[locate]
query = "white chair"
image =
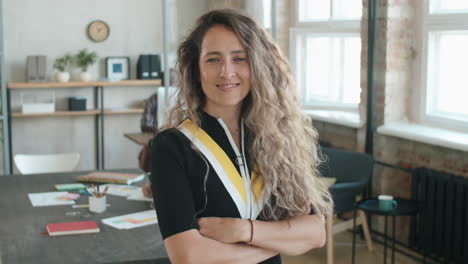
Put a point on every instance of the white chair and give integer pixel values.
(48, 163)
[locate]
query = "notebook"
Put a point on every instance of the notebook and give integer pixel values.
(111, 177)
(70, 186)
(71, 228)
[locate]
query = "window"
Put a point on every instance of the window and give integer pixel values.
(326, 53)
(445, 56)
(267, 14)
(261, 11)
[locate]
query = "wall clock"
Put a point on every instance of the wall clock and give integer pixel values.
(98, 30)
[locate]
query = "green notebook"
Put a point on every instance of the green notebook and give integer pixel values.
(70, 186)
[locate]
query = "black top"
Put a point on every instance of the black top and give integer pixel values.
(177, 177)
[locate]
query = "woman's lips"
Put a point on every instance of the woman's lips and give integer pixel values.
(227, 86)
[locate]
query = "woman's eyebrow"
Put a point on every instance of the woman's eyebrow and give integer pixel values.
(219, 53)
(238, 51)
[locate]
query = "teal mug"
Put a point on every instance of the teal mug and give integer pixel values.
(387, 203)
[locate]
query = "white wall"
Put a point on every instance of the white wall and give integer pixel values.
(55, 27)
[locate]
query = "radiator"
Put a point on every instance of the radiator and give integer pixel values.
(441, 230)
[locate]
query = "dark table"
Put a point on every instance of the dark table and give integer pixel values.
(371, 206)
(140, 138)
(22, 227)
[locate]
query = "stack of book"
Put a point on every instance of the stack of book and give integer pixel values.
(111, 177)
(72, 228)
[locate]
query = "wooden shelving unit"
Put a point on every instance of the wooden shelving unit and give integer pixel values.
(35, 85)
(99, 111)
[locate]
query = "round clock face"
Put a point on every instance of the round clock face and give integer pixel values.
(98, 30)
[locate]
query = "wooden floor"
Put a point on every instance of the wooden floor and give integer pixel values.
(343, 253)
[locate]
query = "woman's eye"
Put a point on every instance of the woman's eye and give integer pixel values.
(239, 59)
(212, 60)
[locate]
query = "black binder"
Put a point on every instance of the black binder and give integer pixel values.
(155, 66)
(143, 67)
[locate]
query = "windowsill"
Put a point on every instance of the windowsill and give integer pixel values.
(426, 134)
(344, 118)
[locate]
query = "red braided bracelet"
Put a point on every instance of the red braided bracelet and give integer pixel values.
(251, 231)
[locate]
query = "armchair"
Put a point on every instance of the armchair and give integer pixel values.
(352, 171)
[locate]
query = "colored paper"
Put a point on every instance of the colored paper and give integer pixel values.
(130, 221)
(120, 190)
(49, 199)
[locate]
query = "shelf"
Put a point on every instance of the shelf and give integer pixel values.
(58, 113)
(33, 85)
(123, 111)
(119, 111)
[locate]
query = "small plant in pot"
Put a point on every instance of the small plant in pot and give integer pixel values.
(83, 60)
(62, 64)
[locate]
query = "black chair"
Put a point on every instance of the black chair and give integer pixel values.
(352, 171)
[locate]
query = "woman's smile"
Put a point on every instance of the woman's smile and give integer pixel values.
(227, 87)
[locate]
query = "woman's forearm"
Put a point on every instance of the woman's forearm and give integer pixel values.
(289, 237)
(191, 247)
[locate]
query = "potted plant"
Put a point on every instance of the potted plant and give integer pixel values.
(61, 64)
(84, 59)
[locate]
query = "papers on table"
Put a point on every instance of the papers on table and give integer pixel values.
(138, 196)
(131, 192)
(130, 221)
(49, 198)
(120, 190)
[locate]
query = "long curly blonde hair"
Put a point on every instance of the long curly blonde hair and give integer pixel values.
(282, 142)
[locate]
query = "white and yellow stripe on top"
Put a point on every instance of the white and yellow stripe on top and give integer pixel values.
(246, 193)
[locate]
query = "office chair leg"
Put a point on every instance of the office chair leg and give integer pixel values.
(329, 227)
(365, 229)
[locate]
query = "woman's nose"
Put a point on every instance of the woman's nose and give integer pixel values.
(227, 70)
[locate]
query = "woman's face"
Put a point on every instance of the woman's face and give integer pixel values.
(224, 68)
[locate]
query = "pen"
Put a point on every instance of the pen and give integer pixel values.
(95, 191)
(104, 192)
(88, 192)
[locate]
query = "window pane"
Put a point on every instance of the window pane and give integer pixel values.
(454, 4)
(331, 70)
(448, 91)
(347, 9)
(310, 10)
(443, 6)
(317, 68)
(267, 13)
(352, 70)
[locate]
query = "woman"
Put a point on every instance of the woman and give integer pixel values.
(234, 175)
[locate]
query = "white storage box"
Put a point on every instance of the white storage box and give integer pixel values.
(37, 103)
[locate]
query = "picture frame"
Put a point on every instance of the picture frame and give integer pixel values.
(117, 68)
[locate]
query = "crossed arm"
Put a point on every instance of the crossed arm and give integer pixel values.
(223, 238)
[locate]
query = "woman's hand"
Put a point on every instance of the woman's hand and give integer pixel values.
(147, 192)
(226, 230)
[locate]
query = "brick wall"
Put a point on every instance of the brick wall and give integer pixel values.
(215, 4)
(284, 9)
(336, 136)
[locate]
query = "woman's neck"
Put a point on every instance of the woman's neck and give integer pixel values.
(230, 115)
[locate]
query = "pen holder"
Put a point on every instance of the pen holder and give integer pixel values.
(97, 204)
